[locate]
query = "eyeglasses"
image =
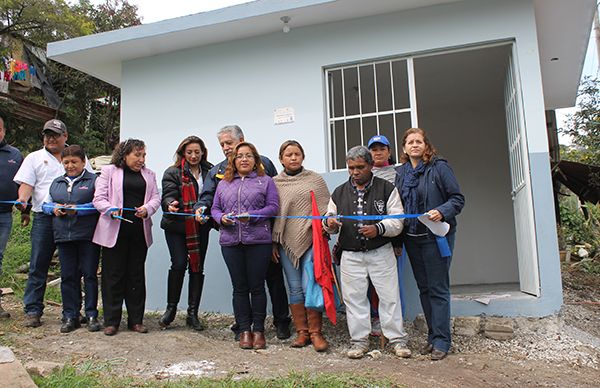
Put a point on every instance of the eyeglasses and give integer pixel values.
(52, 135)
(244, 156)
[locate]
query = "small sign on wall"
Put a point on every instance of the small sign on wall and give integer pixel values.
(283, 116)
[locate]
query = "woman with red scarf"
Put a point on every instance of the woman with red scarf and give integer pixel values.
(187, 239)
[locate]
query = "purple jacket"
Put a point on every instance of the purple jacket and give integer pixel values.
(252, 194)
(109, 194)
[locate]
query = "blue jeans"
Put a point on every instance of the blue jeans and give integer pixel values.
(5, 227)
(296, 279)
(432, 274)
(247, 265)
(42, 249)
(79, 258)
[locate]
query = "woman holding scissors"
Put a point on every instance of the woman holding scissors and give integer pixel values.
(246, 242)
(187, 239)
(126, 197)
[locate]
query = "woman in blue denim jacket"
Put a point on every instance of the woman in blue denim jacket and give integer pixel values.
(427, 185)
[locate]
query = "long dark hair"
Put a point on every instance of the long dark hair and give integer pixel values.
(430, 150)
(179, 154)
(231, 169)
(125, 148)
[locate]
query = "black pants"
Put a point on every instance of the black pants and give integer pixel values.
(77, 259)
(179, 252)
(124, 278)
(247, 265)
(278, 293)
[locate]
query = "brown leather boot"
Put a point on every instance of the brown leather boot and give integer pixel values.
(315, 323)
(259, 341)
(246, 340)
(299, 316)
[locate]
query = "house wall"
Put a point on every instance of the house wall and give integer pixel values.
(167, 97)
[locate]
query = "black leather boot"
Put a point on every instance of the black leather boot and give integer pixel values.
(195, 293)
(175, 281)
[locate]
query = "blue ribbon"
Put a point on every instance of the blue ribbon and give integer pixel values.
(339, 216)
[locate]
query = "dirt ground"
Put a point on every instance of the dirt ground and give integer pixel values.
(563, 352)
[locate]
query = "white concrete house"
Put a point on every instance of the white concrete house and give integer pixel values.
(478, 75)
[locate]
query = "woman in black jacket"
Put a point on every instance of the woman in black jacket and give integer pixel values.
(187, 239)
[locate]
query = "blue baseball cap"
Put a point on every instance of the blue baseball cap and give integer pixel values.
(378, 139)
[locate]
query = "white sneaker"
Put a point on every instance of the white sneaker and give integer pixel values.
(357, 351)
(401, 350)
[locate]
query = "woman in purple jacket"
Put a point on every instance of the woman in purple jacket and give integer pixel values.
(246, 241)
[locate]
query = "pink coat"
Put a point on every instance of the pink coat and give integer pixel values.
(109, 194)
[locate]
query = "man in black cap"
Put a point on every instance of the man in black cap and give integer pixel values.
(36, 174)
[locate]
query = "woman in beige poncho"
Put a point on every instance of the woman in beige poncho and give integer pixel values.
(292, 238)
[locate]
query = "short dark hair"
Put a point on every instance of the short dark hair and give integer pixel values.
(73, 150)
(125, 148)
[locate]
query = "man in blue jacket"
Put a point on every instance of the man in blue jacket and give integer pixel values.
(10, 161)
(229, 137)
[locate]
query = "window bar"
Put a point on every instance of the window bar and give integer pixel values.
(376, 98)
(330, 115)
(394, 108)
(362, 135)
(344, 106)
(412, 92)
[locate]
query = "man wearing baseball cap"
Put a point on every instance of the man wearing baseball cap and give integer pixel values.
(36, 174)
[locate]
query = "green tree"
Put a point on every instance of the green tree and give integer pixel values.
(92, 107)
(41, 21)
(584, 125)
(89, 107)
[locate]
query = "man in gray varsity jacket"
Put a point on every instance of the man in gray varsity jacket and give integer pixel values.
(367, 252)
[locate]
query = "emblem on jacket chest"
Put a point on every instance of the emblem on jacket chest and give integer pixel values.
(379, 206)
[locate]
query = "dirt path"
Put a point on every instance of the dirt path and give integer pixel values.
(565, 357)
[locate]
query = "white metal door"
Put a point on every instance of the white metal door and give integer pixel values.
(529, 277)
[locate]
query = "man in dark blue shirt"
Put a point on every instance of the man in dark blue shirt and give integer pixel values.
(230, 136)
(10, 161)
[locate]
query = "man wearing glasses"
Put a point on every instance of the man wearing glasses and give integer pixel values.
(35, 175)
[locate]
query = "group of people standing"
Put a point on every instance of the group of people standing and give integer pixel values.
(256, 212)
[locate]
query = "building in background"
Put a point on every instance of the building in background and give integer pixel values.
(479, 76)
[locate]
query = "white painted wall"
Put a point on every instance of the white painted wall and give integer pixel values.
(168, 97)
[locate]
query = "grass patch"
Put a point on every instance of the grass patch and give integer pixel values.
(17, 255)
(95, 374)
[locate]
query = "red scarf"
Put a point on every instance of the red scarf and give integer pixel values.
(322, 262)
(188, 199)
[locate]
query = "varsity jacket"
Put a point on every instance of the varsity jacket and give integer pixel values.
(380, 198)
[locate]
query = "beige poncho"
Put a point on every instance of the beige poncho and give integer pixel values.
(295, 234)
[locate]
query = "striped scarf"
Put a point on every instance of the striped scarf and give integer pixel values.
(188, 199)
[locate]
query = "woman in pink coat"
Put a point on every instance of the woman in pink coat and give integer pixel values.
(125, 235)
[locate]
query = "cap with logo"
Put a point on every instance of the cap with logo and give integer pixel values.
(55, 126)
(378, 139)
